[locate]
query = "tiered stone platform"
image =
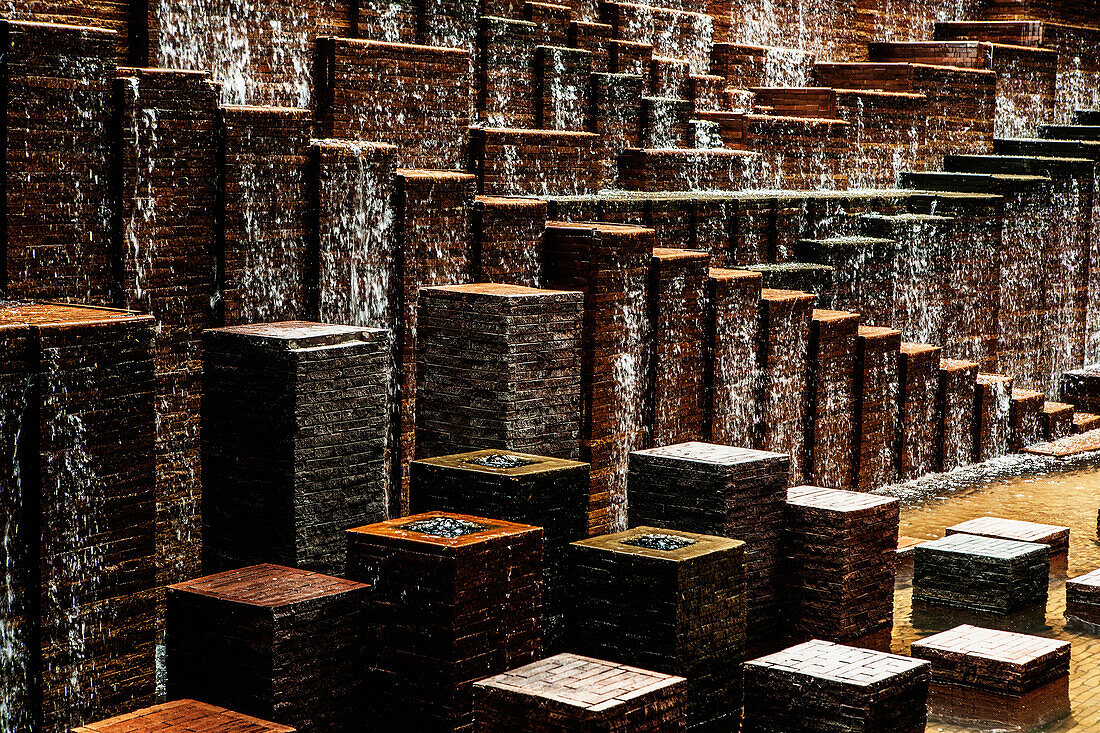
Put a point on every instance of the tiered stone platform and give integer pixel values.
(845, 244)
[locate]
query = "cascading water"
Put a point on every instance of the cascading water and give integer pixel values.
(733, 403)
(785, 67)
(143, 131)
(74, 572)
(628, 370)
(919, 275)
(1021, 108)
(15, 713)
(1067, 276)
(269, 276)
(358, 279)
(261, 55)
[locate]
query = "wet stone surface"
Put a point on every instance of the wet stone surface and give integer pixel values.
(664, 542)
(1064, 493)
(447, 527)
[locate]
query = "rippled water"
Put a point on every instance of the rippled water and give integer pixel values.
(1050, 491)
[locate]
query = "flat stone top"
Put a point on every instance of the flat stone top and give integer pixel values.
(879, 332)
(268, 585)
(652, 541)
(667, 253)
(991, 644)
(1089, 581)
(853, 242)
(1021, 395)
(957, 365)
(709, 453)
(912, 348)
(443, 530)
(498, 290)
(836, 499)
(991, 547)
(910, 218)
(1070, 445)
(298, 334)
(785, 295)
(791, 267)
(584, 684)
(601, 226)
(720, 273)
(184, 716)
(502, 462)
(1014, 529)
(1004, 379)
(822, 314)
(23, 314)
(1053, 408)
(845, 664)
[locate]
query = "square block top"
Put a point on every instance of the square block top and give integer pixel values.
(662, 544)
(990, 380)
(836, 663)
(838, 500)
(502, 463)
(184, 716)
(747, 276)
(1015, 529)
(910, 348)
(484, 291)
(958, 365)
(592, 228)
(830, 316)
(19, 314)
(292, 335)
(441, 530)
(269, 586)
(991, 644)
(582, 685)
(719, 455)
(772, 295)
(976, 546)
(1087, 583)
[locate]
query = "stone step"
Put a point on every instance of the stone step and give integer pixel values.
(1086, 117)
(1016, 33)
(1070, 132)
(1089, 149)
(969, 182)
(683, 169)
(807, 277)
(813, 102)
(1015, 165)
(672, 33)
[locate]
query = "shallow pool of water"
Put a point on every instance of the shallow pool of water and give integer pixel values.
(1050, 491)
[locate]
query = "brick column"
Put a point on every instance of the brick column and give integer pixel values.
(294, 428)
